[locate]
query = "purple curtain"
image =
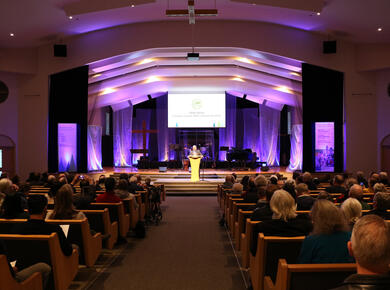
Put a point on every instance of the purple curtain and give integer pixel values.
(251, 129)
(296, 137)
(94, 148)
(227, 135)
(165, 135)
(122, 136)
(141, 115)
(269, 123)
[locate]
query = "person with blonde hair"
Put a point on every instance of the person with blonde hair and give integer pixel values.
(63, 205)
(285, 222)
(327, 243)
(352, 210)
(370, 246)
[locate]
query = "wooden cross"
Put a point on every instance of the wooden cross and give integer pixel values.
(144, 131)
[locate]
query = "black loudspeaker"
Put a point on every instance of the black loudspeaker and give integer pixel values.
(329, 47)
(264, 168)
(60, 50)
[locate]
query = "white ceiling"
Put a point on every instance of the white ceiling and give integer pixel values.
(36, 22)
(131, 77)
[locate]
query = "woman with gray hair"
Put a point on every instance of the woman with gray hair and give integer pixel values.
(352, 210)
(328, 241)
(381, 204)
(285, 222)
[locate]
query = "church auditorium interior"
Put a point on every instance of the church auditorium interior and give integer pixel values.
(194, 144)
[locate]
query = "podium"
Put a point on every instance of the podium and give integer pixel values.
(195, 164)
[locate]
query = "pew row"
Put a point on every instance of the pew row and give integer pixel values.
(308, 276)
(31, 249)
(99, 221)
(7, 281)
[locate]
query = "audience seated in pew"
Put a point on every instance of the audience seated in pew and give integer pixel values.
(304, 200)
(379, 187)
(327, 243)
(361, 179)
(123, 191)
(356, 191)
(134, 186)
(381, 204)
(308, 180)
(87, 194)
(12, 207)
(383, 178)
(263, 210)
(237, 188)
(36, 225)
(100, 183)
(338, 187)
(289, 186)
(352, 210)
(109, 195)
(228, 184)
(245, 183)
(63, 206)
(21, 274)
(370, 246)
(284, 222)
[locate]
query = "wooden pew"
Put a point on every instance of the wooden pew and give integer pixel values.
(141, 207)
(32, 249)
(144, 203)
(229, 208)
(7, 281)
(269, 251)
(130, 209)
(234, 213)
(309, 276)
(80, 234)
(117, 213)
(99, 221)
(239, 227)
(245, 242)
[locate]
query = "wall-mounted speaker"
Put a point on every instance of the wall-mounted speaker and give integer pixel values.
(60, 50)
(329, 47)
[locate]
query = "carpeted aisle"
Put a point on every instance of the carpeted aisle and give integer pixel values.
(189, 250)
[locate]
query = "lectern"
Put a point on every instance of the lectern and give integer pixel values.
(195, 164)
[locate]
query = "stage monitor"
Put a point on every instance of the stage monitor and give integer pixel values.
(196, 110)
(324, 146)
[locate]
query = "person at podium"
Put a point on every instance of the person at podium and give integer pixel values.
(195, 157)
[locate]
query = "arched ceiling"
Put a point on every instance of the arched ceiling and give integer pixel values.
(132, 77)
(38, 22)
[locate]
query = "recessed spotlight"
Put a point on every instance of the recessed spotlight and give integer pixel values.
(70, 17)
(318, 13)
(254, 4)
(132, 5)
(379, 29)
(11, 34)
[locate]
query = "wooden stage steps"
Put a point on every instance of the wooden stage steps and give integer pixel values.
(178, 182)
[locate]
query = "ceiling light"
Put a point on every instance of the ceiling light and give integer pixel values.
(318, 13)
(379, 29)
(145, 61)
(70, 17)
(11, 34)
(152, 79)
(96, 75)
(238, 79)
(107, 91)
(132, 5)
(244, 59)
(284, 89)
(295, 74)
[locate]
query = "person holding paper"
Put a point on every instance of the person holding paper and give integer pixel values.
(36, 225)
(195, 157)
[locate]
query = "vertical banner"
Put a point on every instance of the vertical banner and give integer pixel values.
(94, 148)
(324, 146)
(67, 147)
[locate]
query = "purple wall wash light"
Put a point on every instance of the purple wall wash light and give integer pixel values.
(67, 147)
(94, 148)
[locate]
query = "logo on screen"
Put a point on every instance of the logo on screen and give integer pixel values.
(196, 104)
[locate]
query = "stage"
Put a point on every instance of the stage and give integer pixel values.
(177, 182)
